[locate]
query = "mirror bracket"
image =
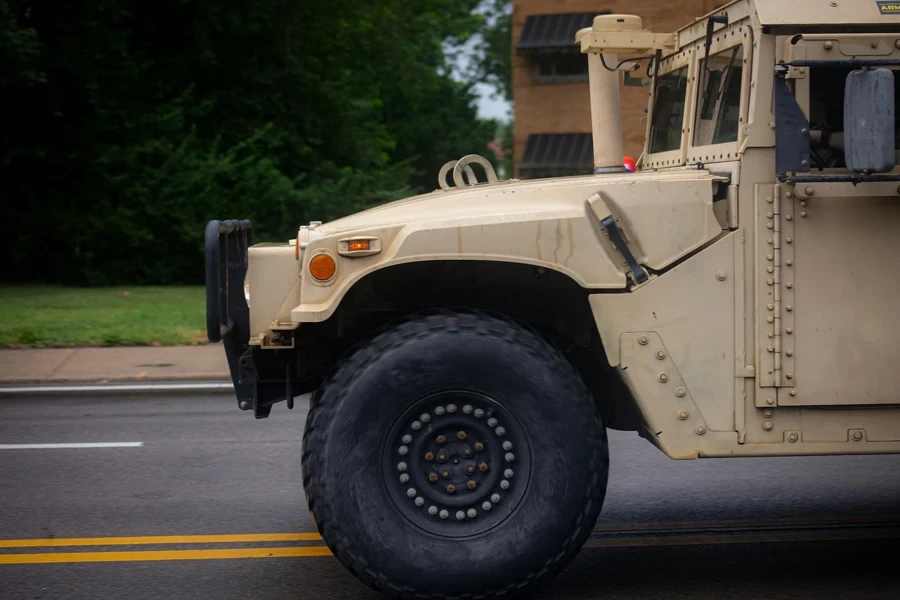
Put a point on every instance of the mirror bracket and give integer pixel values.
(710, 24)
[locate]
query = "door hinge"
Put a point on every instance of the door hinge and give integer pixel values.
(776, 276)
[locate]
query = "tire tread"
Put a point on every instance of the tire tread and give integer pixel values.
(414, 328)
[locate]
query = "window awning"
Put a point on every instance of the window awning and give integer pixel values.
(553, 32)
(551, 154)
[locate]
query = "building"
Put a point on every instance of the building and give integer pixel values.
(552, 130)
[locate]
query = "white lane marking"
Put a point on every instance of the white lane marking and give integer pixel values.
(137, 387)
(83, 445)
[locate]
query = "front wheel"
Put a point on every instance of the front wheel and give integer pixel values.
(455, 454)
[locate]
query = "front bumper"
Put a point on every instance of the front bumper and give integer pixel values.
(259, 381)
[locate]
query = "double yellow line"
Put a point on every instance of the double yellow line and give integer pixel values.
(634, 535)
(155, 555)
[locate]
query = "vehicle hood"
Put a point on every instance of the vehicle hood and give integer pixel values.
(511, 199)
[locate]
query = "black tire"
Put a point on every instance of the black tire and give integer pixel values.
(555, 482)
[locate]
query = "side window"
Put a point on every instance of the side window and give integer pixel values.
(719, 98)
(826, 114)
(668, 111)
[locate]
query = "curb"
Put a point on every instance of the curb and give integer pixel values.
(44, 389)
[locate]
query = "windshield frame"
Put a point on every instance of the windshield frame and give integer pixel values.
(692, 56)
(726, 39)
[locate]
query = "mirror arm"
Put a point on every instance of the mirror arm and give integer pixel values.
(710, 23)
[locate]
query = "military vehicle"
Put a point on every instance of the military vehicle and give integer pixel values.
(467, 349)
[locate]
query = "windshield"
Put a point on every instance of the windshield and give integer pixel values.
(668, 111)
(718, 117)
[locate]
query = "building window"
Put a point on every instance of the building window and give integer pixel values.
(561, 68)
(557, 155)
(549, 42)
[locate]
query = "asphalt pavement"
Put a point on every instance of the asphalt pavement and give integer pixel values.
(132, 468)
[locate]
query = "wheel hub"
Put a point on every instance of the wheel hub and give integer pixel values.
(456, 463)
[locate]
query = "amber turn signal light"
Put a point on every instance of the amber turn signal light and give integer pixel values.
(356, 245)
(322, 267)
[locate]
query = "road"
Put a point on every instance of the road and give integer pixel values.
(196, 465)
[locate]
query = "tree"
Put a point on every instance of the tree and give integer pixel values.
(130, 123)
(494, 56)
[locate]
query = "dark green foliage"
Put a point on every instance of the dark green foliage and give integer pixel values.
(129, 124)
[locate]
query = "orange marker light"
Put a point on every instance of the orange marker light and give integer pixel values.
(322, 267)
(355, 245)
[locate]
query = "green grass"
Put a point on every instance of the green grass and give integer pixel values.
(123, 316)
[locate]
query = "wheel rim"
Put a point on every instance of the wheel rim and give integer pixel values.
(456, 463)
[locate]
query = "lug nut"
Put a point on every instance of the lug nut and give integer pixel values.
(495, 498)
(470, 469)
(429, 456)
(424, 417)
(401, 467)
(485, 506)
(441, 439)
(483, 467)
(471, 485)
(467, 452)
(432, 477)
(411, 492)
(419, 501)
(507, 445)
(402, 450)
(460, 515)
(439, 410)
(461, 435)
(508, 473)
(467, 409)
(479, 446)
(444, 514)
(492, 422)
(510, 457)
(407, 439)
(500, 431)
(504, 485)
(451, 489)
(404, 478)
(442, 457)
(472, 513)
(416, 426)
(446, 474)
(479, 413)
(432, 510)
(451, 408)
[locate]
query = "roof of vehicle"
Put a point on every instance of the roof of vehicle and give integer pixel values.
(825, 12)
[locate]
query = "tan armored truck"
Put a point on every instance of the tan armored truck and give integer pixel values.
(467, 349)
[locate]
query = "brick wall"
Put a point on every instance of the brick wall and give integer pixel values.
(565, 108)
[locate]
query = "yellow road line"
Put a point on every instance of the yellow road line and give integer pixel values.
(156, 555)
(163, 539)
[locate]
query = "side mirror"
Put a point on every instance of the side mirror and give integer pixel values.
(869, 121)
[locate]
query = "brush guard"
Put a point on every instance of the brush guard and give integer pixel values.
(227, 313)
